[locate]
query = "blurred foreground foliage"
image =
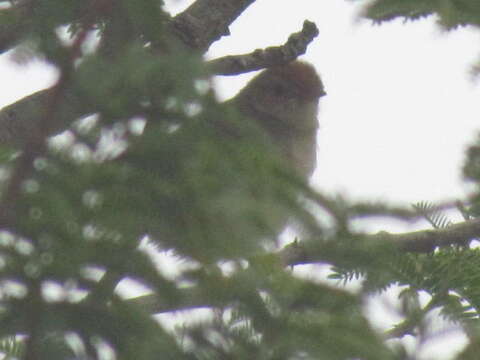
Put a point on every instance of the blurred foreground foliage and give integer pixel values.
(154, 158)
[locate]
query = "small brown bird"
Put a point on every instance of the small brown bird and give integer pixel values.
(284, 101)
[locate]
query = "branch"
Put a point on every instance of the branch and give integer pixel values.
(206, 21)
(295, 46)
(297, 253)
(18, 121)
(422, 241)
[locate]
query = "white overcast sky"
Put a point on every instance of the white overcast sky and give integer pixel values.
(401, 105)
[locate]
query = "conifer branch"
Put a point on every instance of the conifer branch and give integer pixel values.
(309, 252)
(295, 46)
(422, 241)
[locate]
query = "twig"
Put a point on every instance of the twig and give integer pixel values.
(422, 241)
(295, 46)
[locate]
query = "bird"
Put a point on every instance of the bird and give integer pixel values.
(284, 101)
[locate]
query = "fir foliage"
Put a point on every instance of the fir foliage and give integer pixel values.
(435, 217)
(450, 13)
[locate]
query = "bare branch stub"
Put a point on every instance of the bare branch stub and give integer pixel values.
(295, 46)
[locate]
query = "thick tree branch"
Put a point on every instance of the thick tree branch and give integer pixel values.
(206, 21)
(295, 46)
(22, 118)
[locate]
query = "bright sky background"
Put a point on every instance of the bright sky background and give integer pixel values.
(401, 104)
